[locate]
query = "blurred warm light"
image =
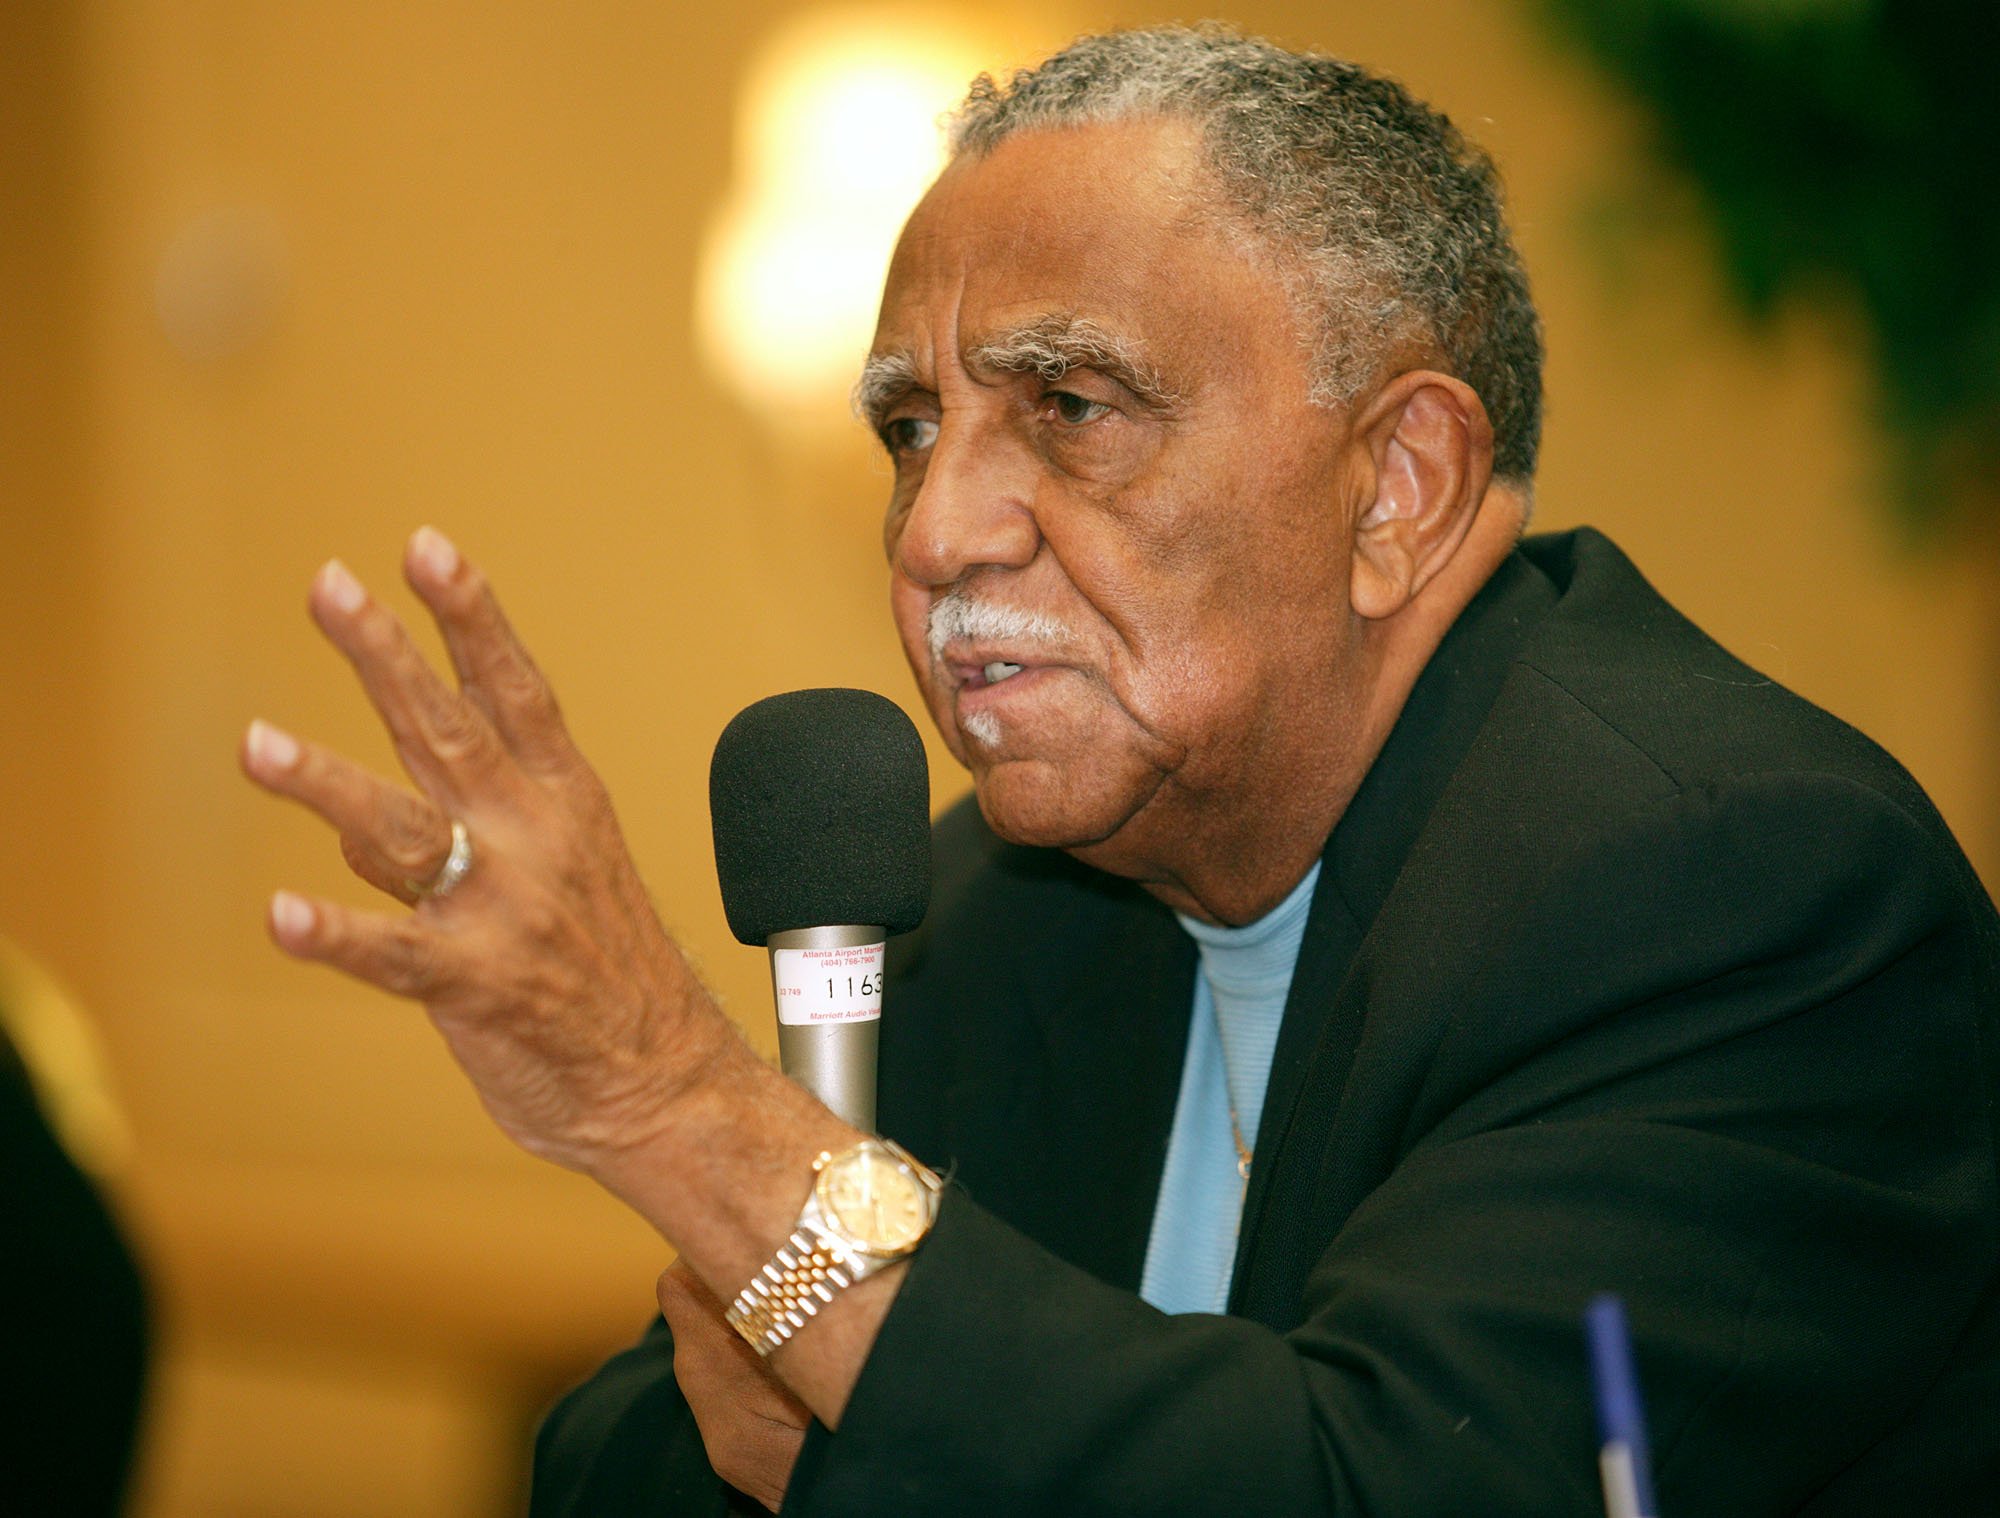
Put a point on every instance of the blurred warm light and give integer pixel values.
(221, 282)
(839, 133)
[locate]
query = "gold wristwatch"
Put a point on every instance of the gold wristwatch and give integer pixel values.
(870, 1206)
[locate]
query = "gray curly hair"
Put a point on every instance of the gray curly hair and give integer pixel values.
(1387, 221)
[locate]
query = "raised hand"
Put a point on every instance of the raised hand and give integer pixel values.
(537, 953)
(543, 962)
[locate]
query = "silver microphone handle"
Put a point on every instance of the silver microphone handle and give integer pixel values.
(834, 1061)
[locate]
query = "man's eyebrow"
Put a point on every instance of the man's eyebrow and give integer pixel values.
(1049, 346)
(884, 378)
(1052, 345)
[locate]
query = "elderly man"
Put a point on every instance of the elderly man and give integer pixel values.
(1375, 935)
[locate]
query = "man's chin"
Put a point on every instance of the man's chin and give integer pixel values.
(1031, 802)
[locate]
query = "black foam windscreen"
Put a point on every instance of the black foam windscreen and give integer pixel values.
(821, 806)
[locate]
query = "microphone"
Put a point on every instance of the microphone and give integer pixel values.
(820, 801)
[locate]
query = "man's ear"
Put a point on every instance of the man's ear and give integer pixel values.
(1431, 445)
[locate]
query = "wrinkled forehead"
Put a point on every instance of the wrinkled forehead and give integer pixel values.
(1083, 221)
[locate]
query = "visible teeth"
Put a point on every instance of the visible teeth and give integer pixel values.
(1000, 670)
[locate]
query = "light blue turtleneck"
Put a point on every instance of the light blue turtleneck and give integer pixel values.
(1239, 1001)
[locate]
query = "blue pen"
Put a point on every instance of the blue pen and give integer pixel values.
(1622, 1460)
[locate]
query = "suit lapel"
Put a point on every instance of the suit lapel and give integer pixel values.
(1319, 1033)
(1113, 1056)
(1091, 1081)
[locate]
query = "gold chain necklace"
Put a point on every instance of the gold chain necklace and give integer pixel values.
(1243, 1150)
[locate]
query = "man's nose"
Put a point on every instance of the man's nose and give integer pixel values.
(974, 508)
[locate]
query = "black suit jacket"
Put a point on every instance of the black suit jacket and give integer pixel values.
(1627, 970)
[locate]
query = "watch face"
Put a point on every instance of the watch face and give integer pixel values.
(874, 1199)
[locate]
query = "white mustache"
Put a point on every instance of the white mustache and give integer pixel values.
(956, 618)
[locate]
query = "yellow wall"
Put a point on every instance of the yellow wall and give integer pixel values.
(485, 219)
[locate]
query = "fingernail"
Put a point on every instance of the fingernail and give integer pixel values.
(291, 915)
(273, 748)
(341, 587)
(436, 552)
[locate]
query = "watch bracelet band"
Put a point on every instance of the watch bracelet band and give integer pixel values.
(792, 1287)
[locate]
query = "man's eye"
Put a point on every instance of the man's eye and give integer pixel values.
(1071, 409)
(909, 434)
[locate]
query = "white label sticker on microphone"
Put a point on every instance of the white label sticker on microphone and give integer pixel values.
(828, 985)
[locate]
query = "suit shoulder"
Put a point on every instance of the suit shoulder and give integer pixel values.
(1622, 657)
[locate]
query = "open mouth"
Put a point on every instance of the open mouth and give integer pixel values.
(971, 677)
